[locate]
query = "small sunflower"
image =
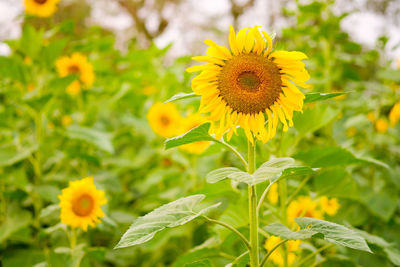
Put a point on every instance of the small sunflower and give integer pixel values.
(329, 206)
(81, 204)
(273, 194)
(189, 123)
(76, 64)
(164, 119)
(66, 121)
(303, 206)
(381, 125)
(249, 84)
(277, 256)
(394, 115)
(41, 8)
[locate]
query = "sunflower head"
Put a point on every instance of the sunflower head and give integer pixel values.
(164, 119)
(277, 255)
(329, 206)
(81, 204)
(394, 115)
(249, 85)
(381, 125)
(190, 122)
(303, 206)
(41, 8)
(76, 64)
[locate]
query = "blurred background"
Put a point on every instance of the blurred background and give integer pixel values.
(57, 127)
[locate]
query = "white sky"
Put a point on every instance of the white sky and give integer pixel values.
(193, 20)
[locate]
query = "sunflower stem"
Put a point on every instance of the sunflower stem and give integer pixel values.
(253, 215)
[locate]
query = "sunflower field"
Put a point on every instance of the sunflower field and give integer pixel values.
(231, 144)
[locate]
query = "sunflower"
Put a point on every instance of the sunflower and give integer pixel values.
(381, 125)
(189, 123)
(76, 64)
(273, 194)
(277, 257)
(394, 115)
(66, 121)
(249, 84)
(329, 206)
(164, 119)
(41, 8)
(81, 204)
(303, 206)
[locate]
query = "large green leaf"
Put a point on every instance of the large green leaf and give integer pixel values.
(180, 96)
(95, 137)
(313, 119)
(10, 154)
(220, 174)
(310, 227)
(334, 233)
(172, 214)
(390, 249)
(314, 97)
(15, 220)
(199, 133)
(332, 156)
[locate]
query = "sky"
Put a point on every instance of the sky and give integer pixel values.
(186, 31)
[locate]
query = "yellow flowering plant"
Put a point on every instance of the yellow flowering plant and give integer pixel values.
(254, 92)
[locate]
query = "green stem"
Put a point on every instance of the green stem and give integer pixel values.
(283, 200)
(303, 183)
(231, 148)
(239, 258)
(270, 252)
(72, 240)
(253, 216)
(239, 234)
(264, 194)
(305, 259)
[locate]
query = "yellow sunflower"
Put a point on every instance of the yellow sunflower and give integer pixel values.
(329, 206)
(273, 194)
(249, 84)
(276, 256)
(191, 121)
(303, 206)
(41, 8)
(394, 115)
(81, 204)
(381, 125)
(164, 119)
(76, 64)
(66, 121)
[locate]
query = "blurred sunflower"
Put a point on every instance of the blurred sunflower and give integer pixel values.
(273, 194)
(164, 119)
(276, 256)
(189, 123)
(329, 206)
(394, 115)
(41, 8)
(76, 64)
(303, 206)
(248, 84)
(81, 204)
(381, 125)
(66, 121)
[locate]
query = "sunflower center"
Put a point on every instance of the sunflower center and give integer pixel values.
(83, 205)
(164, 120)
(250, 83)
(40, 2)
(73, 68)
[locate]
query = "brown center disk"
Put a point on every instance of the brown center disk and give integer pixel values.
(73, 69)
(40, 2)
(250, 83)
(83, 205)
(165, 121)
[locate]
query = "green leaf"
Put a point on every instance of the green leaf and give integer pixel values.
(271, 169)
(38, 103)
(278, 229)
(297, 171)
(314, 97)
(10, 154)
(220, 174)
(92, 136)
(332, 156)
(194, 255)
(199, 133)
(172, 214)
(15, 220)
(313, 119)
(199, 263)
(334, 233)
(180, 96)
